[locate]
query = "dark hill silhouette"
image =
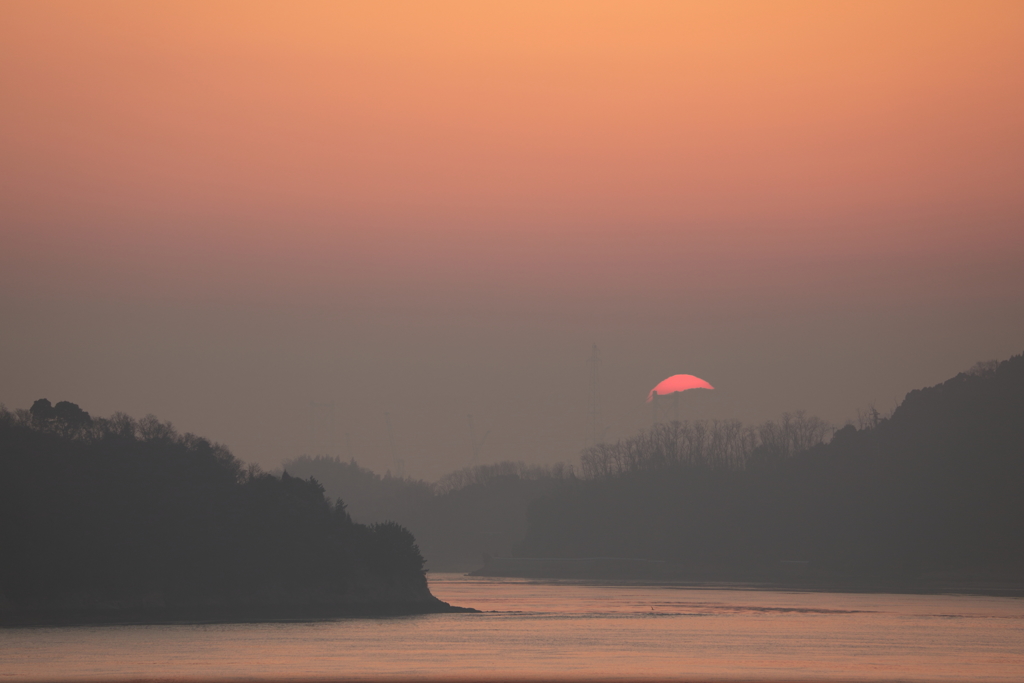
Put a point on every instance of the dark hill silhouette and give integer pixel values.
(124, 519)
(933, 491)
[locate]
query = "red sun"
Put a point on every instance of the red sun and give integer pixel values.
(677, 383)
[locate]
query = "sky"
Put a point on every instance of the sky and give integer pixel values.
(222, 213)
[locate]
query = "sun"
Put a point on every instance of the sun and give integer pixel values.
(677, 383)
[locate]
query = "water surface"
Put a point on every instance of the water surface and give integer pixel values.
(533, 629)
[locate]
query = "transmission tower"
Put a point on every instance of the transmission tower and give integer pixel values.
(595, 428)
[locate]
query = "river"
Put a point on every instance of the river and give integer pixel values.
(572, 630)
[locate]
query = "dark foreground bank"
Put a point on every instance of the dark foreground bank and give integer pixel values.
(118, 520)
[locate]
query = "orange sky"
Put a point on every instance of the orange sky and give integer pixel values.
(606, 167)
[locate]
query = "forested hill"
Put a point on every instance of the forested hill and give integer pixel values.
(124, 519)
(932, 491)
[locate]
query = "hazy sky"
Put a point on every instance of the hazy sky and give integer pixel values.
(220, 212)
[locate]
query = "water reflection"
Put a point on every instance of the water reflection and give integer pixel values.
(566, 630)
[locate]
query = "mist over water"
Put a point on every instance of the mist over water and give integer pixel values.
(536, 629)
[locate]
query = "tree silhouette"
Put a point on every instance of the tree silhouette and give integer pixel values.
(114, 515)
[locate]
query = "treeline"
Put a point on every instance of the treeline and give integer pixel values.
(705, 444)
(121, 515)
(932, 489)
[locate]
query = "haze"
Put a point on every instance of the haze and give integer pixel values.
(220, 213)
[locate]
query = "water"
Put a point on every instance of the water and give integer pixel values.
(565, 630)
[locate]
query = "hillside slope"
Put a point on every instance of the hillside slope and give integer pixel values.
(118, 519)
(933, 490)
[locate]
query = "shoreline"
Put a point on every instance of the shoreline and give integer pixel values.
(593, 575)
(1015, 591)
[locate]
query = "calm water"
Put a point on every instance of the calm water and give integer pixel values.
(566, 630)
